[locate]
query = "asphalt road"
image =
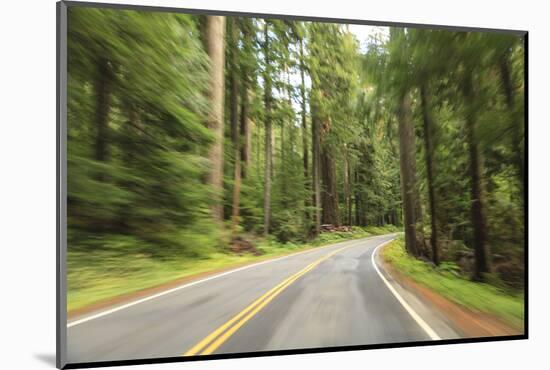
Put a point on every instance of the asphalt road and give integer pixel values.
(325, 297)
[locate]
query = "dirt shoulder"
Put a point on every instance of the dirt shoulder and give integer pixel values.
(128, 297)
(469, 323)
(142, 293)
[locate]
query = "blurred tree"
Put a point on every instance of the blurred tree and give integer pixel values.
(268, 130)
(136, 137)
(215, 31)
(400, 55)
(421, 127)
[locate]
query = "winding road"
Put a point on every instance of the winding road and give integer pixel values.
(336, 295)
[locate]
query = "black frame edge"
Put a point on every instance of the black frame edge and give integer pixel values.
(526, 178)
(160, 360)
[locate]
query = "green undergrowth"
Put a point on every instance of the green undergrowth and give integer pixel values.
(445, 280)
(100, 274)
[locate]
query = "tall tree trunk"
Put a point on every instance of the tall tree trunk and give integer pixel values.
(282, 159)
(102, 87)
(315, 170)
(350, 195)
(422, 249)
(347, 197)
(215, 30)
(361, 176)
(517, 132)
(481, 249)
(245, 123)
(233, 82)
(357, 198)
(258, 134)
(329, 193)
(407, 163)
(268, 133)
(234, 119)
(429, 150)
(236, 190)
(245, 131)
(304, 133)
(286, 145)
(303, 102)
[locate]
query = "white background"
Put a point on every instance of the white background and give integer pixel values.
(27, 182)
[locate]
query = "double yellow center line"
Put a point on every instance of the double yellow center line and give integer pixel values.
(219, 336)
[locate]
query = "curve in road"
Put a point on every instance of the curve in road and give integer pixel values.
(325, 297)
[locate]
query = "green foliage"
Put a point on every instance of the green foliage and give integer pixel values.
(444, 63)
(148, 195)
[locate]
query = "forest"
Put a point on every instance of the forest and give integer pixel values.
(191, 138)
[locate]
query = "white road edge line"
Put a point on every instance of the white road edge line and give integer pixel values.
(416, 317)
(165, 292)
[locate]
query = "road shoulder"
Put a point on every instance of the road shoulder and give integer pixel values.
(116, 301)
(448, 319)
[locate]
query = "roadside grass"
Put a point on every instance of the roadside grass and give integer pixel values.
(98, 275)
(446, 281)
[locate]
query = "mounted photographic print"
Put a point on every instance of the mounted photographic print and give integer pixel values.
(235, 185)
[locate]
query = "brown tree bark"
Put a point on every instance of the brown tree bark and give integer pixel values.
(315, 170)
(479, 221)
(361, 178)
(347, 195)
(357, 197)
(350, 196)
(235, 129)
(215, 30)
(245, 124)
(429, 151)
(305, 149)
(282, 156)
(268, 133)
(233, 82)
(329, 194)
(407, 163)
(236, 190)
(258, 133)
(303, 102)
(245, 131)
